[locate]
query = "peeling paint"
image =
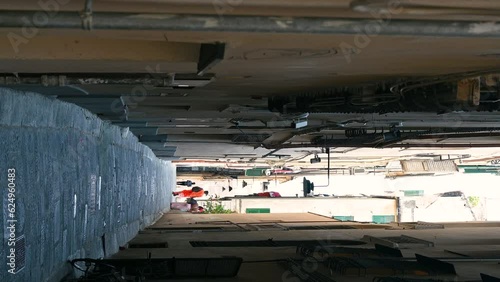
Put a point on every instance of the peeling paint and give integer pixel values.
(480, 28)
(210, 22)
(282, 24)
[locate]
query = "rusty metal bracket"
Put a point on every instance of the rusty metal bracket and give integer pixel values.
(469, 91)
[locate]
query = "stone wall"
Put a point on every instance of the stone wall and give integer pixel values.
(83, 187)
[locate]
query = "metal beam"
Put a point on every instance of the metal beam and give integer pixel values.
(153, 138)
(254, 24)
(270, 153)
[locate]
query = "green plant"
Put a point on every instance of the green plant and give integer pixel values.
(214, 206)
(473, 201)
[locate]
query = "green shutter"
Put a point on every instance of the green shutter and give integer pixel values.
(257, 210)
(255, 172)
(414, 193)
(380, 219)
(343, 217)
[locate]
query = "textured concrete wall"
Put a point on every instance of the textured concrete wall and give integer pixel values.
(79, 182)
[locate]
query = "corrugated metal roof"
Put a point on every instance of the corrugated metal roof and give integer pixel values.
(417, 166)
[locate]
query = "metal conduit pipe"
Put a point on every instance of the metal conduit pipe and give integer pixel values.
(229, 23)
(345, 143)
(161, 80)
(328, 169)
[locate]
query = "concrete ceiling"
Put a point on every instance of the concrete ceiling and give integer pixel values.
(200, 122)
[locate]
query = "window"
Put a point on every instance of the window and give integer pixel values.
(258, 210)
(381, 219)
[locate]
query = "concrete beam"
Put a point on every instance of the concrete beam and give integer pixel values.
(159, 146)
(153, 138)
(89, 48)
(131, 124)
(144, 130)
